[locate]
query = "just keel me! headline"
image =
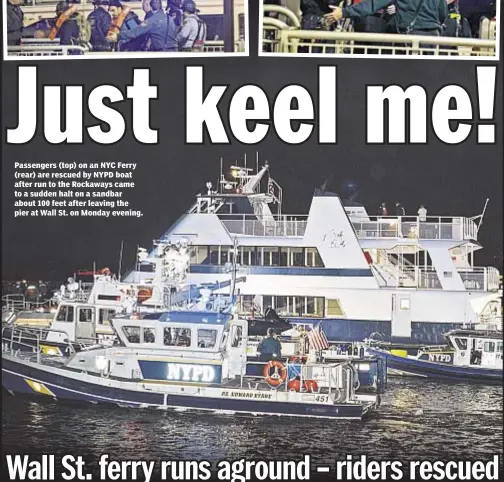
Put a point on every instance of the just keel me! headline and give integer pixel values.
(250, 113)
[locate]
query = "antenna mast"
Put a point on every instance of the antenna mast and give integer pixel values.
(120, 259)
(483, 213)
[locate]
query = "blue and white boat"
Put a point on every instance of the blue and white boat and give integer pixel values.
(188, 360)
(469, 355)
(409, 279)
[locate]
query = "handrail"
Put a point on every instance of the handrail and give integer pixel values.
(283, 11)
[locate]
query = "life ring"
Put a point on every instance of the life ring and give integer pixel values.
(116, 24)
(63, 17)
(279, 374)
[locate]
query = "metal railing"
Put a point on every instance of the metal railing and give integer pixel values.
(442, 228)
(39, 48)
(295, 41)
(481, 278)
(250, 225)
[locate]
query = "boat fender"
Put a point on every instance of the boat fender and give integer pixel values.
(279, 374)
(63, 17)
(115, 26)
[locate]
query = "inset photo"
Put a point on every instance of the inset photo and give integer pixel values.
(115, 28)
(460, 29)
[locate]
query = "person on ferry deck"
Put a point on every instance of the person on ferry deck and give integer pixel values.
(269, 347)
(399, 208)
(422, 213)
(382, 210)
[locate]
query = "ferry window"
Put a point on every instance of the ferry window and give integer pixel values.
(247, 256)
(105, 315)
(405, 304)
(267, 302)
(296, 257)
(132, 333)
(207, 338)
(146, 268)
(461, 343)
(499, 347)
(489, 347)
(281, 305)
(65, 313)
(314, 306)
(237, 333)
(270, 256)
(214, 255)
(284, 257)
(177, 337)
(313, 258)
(334, 308)
(199, 255)
(86, 314)
(149, 335)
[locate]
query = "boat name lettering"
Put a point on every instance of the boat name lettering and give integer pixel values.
(439, 357)
(190, 373)
(256, 395)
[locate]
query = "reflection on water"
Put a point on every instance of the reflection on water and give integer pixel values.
(418, 419)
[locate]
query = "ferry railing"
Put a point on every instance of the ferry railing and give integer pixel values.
(39, 48)
(265, 226)
(411, 227)
(352, 43)
(480, 278)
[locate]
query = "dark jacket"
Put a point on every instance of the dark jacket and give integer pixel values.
(315, 7)
(431, 15)
(15, 18)
(155, 28)
(270, 346)
(100, 20)
(456, 25)
(69, 32)
(136, 44)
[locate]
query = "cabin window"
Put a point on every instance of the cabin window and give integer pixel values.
(270, 257)
(147, 268)
(149, 335)
(86, 315)
(314, 306)
(207, 338)
(334, 308)
(177, 337)
(132, 333)
(246, 304)
(199, 255)
(461, 343)
(65, 313)
(489, 347)
(105, 315)
(247, 256)
(313, 258)
(499, 347)
(405, 304)
(214, 255)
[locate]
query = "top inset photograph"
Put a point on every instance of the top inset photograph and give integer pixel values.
(113, 28)
(458, 29)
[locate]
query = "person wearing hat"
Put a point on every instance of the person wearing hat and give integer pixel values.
(193, 33)
(15, 17)
(269, 347)
(68, 32)
(100, 20)
(155, 28)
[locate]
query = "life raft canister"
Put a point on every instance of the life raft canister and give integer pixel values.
(63, 17)
(115, 26)
(277, 376)
(311, 386)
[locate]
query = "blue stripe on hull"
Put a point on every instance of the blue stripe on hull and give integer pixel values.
(283, 271)
(341, 329)
(440, 371)
(13, 375)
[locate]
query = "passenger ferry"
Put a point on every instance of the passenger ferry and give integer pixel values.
(189, 360)
(405, 279)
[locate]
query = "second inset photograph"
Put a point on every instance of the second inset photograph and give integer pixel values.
(456, 29)
(115, 28)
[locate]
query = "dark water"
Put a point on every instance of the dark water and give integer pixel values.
(417, 420)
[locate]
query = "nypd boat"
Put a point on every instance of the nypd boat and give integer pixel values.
(473, 355)
(188, 360)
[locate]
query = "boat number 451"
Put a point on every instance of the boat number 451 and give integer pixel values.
(322, 398)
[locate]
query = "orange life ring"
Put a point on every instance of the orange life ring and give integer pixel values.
(279, 374)
(116, 24)
(63, 17)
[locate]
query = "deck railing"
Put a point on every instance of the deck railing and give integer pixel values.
(480, 278)
(250, 225)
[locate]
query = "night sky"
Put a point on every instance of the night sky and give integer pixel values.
(449, 180)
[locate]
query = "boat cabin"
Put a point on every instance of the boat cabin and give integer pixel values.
(476, 348)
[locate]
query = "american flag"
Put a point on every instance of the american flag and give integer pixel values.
(317, 339)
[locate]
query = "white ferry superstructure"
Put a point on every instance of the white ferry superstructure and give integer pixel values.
(401, 279)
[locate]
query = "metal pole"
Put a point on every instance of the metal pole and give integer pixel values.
(228, 25)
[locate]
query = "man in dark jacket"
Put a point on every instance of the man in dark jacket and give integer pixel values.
(130, 22)
(99, 19)
(312, 13)
(455, 24)
(15, 18)
(68, 33)
(269, 347)
(413, 17)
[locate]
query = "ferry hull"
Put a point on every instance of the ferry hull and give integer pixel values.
(438, 371)
(28, 378)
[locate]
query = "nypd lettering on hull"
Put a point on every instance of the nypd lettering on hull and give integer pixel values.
(180, 372)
